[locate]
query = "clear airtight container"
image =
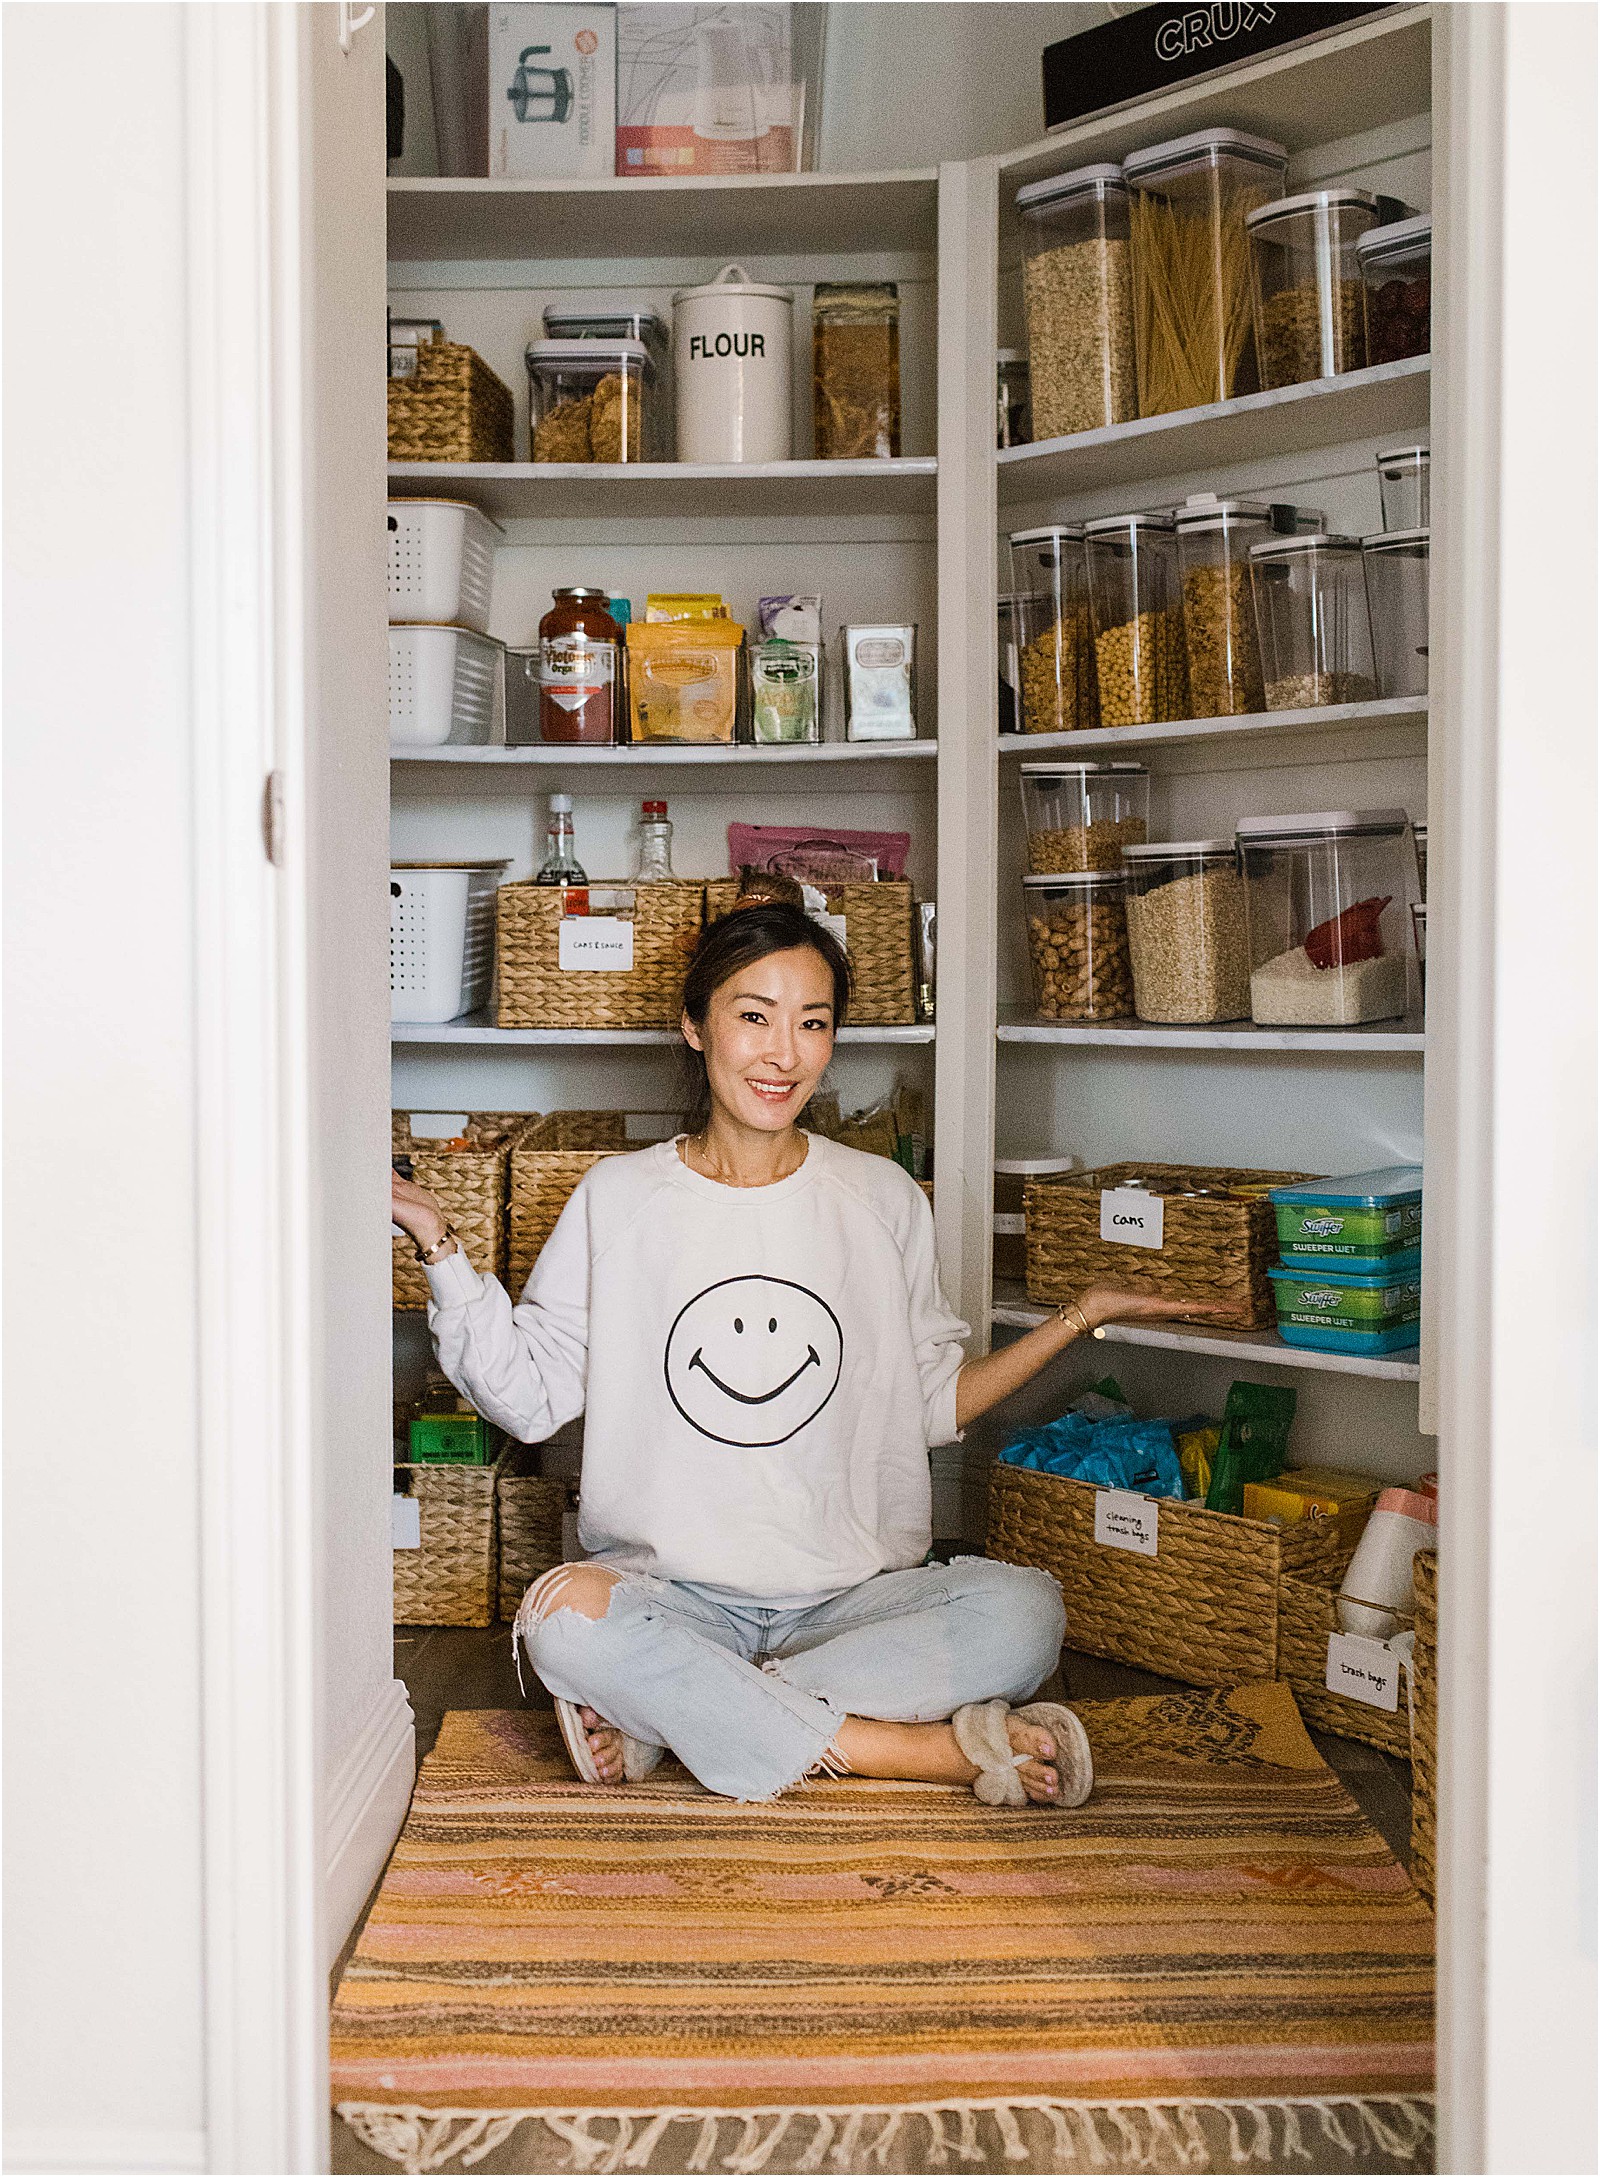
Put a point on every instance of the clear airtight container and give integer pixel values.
(1396, 567)
(1078, 946)
(1188, 934)
(1138, 619)
(1311, 616)
(1403, 487)
(1192, 323)
(1219, 619)
(1397, 274)
(1077, 293)
(1329, 910)
(1309, 317)
(1055, 661)
(602, 324)
(1082, 815)
(592, 400)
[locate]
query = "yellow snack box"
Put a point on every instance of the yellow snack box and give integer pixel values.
(683, 679)
(662, 607)
(1314, 1493)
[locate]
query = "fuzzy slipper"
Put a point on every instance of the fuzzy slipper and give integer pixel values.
(980, 1730)
(639, 1757)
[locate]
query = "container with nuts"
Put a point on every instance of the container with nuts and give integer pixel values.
(1140, 672)
(1219, 622)
(1311, 619)
(1188, 932)
(1077, 289)
(1306, 283)
(1078, 946)
(1055, 660)
(1082, 815)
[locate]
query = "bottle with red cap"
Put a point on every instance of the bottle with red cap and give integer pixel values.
(655, 844)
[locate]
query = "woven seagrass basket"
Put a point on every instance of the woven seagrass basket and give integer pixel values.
(537, 992)
(529, 1509)
(1306, 1616)
(453, 1578)
(1425, 1726)
(548, 1158)
(1216, 1248)
(470, 1183)
(877, 926)
(1203, 1609)
(453, 409)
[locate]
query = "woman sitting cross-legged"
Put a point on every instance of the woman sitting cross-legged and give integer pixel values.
(750, 1318)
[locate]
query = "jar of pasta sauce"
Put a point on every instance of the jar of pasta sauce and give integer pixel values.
(578, 649)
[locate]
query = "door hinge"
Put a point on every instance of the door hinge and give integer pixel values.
(272, 818)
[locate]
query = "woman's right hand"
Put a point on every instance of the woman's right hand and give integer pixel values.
(417, 1212)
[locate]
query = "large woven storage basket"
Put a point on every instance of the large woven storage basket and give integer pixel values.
(1425, 1726)
(471, 1184)
(537, 992)
(548, 1158)
(1306, 1616)
(1216, 1249)
(878, 938)
(529, 1508)
(1203, 1609)
(453, 1578)
(453, 409)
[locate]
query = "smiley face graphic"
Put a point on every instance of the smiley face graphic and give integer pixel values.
(751, 1360)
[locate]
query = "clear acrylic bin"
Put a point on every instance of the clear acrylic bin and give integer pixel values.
(1082, 815)
(1329, 910)
(1311, 617)
(1396, 567)
(1403, 474)
(593, 400)
(1309, 317)
(1221, 648)
(1077, 292)
(1188, 934)
(1138, 619)
(1055, 661)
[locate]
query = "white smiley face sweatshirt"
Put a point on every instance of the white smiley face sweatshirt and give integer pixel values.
(762, 1369)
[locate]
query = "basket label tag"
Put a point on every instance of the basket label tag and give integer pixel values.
(1124, 1520)
(1363, 1670)
(595, 942)
(1130, 1217)
(405, 1522)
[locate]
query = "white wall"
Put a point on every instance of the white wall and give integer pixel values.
(102, 1752)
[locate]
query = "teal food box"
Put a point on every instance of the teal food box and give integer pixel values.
(1341, 1311)
(1367, 1221)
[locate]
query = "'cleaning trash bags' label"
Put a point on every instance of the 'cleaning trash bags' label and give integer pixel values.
(1131, 1217)
(595, 942)
(1363, 1670)
(1125, 1520)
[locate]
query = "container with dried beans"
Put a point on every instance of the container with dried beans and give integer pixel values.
(1078, 946)
(1309, 317)
(1055, 658)
(855, 370)
(1219, 621)
(1140, 671)
(1078, 299)
(1397, 275)
(1193, 332)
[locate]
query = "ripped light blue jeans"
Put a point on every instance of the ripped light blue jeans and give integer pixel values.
(750, 1699)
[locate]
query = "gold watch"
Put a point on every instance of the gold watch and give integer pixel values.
(428, 1256)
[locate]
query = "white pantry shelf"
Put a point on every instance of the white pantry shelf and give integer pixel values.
(634, 490)
(1375, 1039)
(478, 1030)
(1389, 399)
(1377, 722)
(1263, 1348)
(720, 215)
(869, 766)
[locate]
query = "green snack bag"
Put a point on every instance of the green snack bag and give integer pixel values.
(1255, 1440)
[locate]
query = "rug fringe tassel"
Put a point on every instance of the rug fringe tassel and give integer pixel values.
(1152, 2135)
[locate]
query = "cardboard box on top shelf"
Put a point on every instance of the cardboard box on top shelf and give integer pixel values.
(709, 90)
(552, 91)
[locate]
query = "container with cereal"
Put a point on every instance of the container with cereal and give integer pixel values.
(592, 400)
(1307, 285)
(1082, 815)
(1138, 619)
(1219, 622)
(1078, 298)
(1328, 909)
(1078, 946)
(1055, 661)
(1311, 617)
(1188, 937)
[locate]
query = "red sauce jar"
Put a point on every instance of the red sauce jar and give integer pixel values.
(579, 644)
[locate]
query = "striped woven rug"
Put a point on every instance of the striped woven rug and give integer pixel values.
(1215, 1963)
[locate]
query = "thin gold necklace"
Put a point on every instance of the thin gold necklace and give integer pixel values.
(700, 1145)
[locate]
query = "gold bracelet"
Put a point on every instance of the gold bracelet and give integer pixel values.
(428, 1256)
(1067, 1310)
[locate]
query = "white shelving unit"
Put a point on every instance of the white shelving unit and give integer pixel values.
(478, 1030)
(1262, 1348)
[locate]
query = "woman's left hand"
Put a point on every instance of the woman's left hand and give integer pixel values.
(1105, 1304)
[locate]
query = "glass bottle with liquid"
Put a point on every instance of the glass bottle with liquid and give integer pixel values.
(655, 844)
(560, 864)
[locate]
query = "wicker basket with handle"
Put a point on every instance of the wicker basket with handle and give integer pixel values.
(453, 1578)
(877, 936)
(1307, 1614)
(453, 408)
(1204, 1608)
(1425, 1726)
(529, 1508)
(537, 992)
(1216, 1249)
(470, 1184)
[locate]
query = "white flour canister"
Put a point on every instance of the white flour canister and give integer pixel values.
(732, 359)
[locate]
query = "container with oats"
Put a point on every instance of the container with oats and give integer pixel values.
(1082, 815)
(1078, 946)
(1188, 937)
(1055, 662)
(1138, 619)
(1219, 620)
(1311, 618)
(1078, 298)
(592, 400)
(1328, 908)
(855, 369)
(1306, 284)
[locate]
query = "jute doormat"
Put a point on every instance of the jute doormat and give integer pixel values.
(1214, 1963)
